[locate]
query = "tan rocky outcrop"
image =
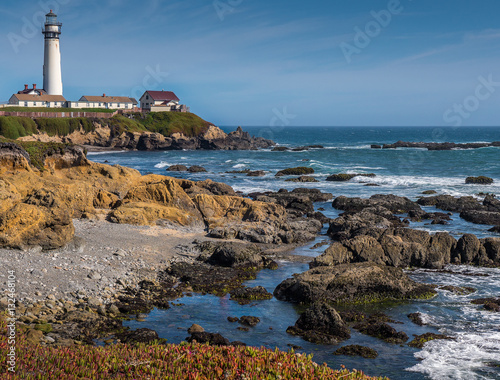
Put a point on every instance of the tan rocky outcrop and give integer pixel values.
(38, 206)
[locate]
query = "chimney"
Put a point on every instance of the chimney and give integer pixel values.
(34, 86)
(25, 87)
(103, 95)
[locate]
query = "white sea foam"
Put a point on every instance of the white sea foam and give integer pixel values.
(162, 165)
(106, 152)
(466, 357)
(239, 166)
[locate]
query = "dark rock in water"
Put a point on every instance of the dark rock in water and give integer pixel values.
(351, 283)
(372, 185)
(245, 295)
(237, 343)
(320, 244)
(197, 169)
(481, 180)
(243, 328)
(437, 146)
(315, 195)
(400, 247)
(393, 203)
(303, 178)
(301, 170)
(321, 324)
(297, 202)
(352, 316)
(468, 250)
(195, 329)
(280, 149)
(143, 335)
(366, 222)
(382, 331)
(420, 340)
(244, 171)
(429, 192)
(256, 173)
(133, 305)
(450, 203)
(177, 168)
(491, 203)
(346, 177)
(492, 248)
(205, 278)
(210, 338)
(416, 318)
(357, 350)
(490, 304)
(233, 319)
(235, 255)
(294, 346)
(249, 320)
(375, 146)
(458, 290)
(481, 217)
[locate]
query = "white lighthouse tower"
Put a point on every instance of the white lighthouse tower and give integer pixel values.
(52, 78)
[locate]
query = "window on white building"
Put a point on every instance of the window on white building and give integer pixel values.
(26, 104)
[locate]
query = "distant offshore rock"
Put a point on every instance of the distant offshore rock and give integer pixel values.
(436, 146)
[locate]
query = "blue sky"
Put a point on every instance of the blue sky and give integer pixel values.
(256, 62)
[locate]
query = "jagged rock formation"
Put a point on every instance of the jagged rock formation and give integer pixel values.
(351, 283)
(371, 232)
(212, 139)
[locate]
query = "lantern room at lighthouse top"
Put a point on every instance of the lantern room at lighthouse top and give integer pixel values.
(52, 26)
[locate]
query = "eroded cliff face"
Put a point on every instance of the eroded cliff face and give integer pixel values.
(37, 206)
(212, 139)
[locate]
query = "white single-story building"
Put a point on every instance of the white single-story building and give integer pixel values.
(31, 100)
(108, 102)
(161, 101)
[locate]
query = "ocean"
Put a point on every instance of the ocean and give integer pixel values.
(475, 351)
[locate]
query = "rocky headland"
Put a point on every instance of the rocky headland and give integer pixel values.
(133, 132)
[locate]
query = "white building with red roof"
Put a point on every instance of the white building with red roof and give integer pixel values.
(161, 101)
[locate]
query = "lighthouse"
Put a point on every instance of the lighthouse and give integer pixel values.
(52, 78)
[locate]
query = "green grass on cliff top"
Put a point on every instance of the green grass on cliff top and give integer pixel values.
(38, 151)
(166, 123)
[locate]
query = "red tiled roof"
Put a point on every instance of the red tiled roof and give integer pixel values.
(163, 95)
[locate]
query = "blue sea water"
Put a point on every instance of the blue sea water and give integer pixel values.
(475, 351)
